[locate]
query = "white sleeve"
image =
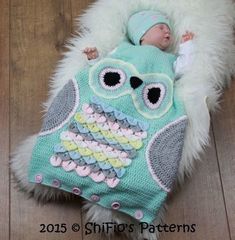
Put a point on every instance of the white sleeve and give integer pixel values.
(184, 60)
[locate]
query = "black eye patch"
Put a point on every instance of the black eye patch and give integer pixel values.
(112, 78)
(154, 94)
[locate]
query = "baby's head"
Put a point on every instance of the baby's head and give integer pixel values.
(151, 28)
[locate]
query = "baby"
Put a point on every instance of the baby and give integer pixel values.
(153, 28)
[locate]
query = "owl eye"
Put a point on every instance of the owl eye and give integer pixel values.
(112, 78)
(153, 95)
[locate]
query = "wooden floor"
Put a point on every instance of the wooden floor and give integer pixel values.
(32, 36)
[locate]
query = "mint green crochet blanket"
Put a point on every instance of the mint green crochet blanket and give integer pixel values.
(114, 134)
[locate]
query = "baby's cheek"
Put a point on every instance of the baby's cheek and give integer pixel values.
(157, 39)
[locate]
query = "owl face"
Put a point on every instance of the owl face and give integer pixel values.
(152, 94)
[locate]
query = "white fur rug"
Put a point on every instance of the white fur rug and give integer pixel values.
(103, 26)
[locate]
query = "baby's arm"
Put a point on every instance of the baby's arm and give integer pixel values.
(184, 59)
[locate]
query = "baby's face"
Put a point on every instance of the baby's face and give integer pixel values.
(159, 36)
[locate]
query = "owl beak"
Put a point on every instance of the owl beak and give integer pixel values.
(135, 82)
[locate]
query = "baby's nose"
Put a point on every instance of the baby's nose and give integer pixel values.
(167, 33)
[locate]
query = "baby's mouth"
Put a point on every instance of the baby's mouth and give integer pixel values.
(167, 38)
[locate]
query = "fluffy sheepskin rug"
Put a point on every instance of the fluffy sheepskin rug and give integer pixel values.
(103, 25)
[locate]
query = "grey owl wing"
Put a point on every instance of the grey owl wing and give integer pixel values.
(164, 152)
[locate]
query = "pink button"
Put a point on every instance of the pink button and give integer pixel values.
(95, 198)
(38, 178)
(139, 214)
(115, 205)
(56, 183)
(77, 191)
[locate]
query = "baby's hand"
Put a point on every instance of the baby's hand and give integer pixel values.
(92, 53)
(187, 36)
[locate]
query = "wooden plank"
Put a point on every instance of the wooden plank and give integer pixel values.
(38, 31)
(4, 119)
(200, 202)
(224, 132)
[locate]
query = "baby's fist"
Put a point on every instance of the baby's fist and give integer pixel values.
(187, 36)
(92, 53)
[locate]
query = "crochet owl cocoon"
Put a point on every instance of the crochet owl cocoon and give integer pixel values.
(114, 134)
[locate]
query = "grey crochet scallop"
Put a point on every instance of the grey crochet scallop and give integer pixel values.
(59, 111)
(165, 153)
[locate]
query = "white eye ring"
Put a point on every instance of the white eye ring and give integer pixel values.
(120, 81)
(161, 96)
